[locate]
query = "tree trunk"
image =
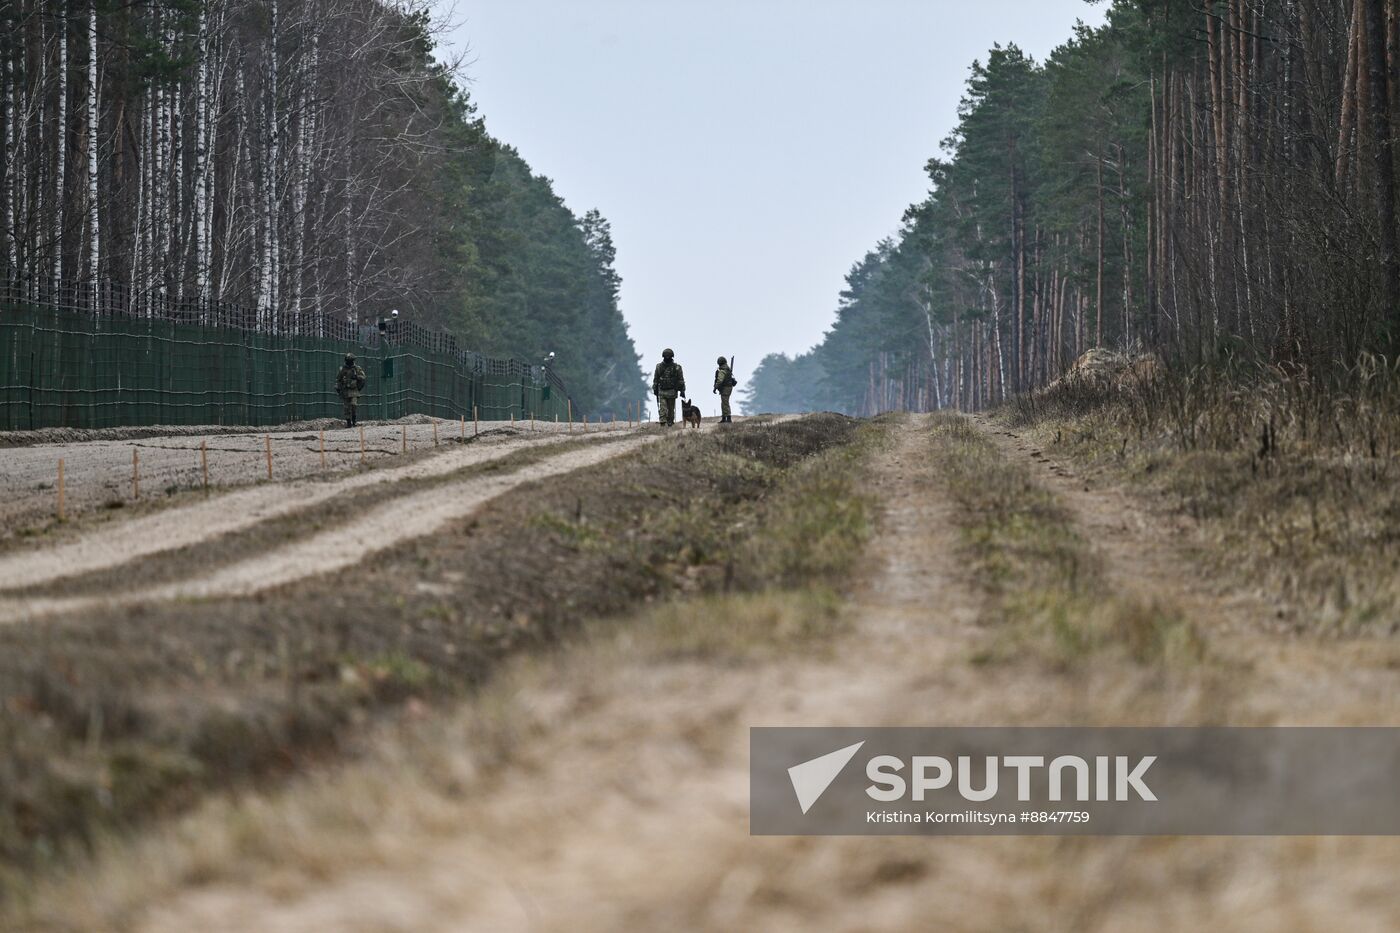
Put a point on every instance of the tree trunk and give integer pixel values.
(94, 266)
(1379, 119)
(1098, 297)
(61, 155)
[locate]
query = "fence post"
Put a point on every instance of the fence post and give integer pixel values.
(269, 456)
(135, 474)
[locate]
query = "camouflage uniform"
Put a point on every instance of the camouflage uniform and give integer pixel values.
(667, 382)
(724, 384)
(348, 384)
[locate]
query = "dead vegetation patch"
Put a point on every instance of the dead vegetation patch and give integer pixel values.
(1293, 483)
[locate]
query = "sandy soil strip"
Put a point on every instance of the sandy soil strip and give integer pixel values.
(378, 529)
(98, 473)
(628, 808)
(113, 545)
(632, 814)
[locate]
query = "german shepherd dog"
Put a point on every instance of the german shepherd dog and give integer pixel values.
(690, 414)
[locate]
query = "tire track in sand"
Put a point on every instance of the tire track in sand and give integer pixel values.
(184, 526)
(379, 529)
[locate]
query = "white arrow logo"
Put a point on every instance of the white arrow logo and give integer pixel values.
(811, 778)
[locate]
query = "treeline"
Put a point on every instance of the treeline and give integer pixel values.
(303, 157)
(1207, 180)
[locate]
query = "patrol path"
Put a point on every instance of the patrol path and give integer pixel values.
(626, 807)
(632, 811)
(381, 526)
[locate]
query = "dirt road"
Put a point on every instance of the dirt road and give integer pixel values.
(624, 805)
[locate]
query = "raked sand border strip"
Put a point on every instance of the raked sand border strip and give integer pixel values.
(184, 526)
(380, 528)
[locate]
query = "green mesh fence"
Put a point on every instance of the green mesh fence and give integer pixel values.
(65, 367)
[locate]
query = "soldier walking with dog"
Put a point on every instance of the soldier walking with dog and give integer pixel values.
(667, 382)
(724, 384)
(349, 383)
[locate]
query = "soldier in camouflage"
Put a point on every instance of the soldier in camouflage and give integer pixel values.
(667, 383)
(724, 384)
(349, 382)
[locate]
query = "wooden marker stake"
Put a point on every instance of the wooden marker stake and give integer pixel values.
(571, 416)
(204, 462)
(323, 450)
(269, 456)
(464, 426)
(60, 489)
(435, 437)
(405, 438)
(362, 446)
(135, 474)
(476, 421)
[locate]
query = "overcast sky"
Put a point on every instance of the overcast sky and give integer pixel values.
(747, 152)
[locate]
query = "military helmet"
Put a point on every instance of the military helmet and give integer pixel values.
(349, 357)
(722, 361)
(667, 353)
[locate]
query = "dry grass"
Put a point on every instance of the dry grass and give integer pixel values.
(414, 776)
(1294, 483)
(713, 517)
(1048, 589)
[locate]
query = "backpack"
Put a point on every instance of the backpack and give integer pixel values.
(668, 377)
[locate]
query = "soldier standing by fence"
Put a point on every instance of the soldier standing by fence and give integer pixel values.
(349, 382)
